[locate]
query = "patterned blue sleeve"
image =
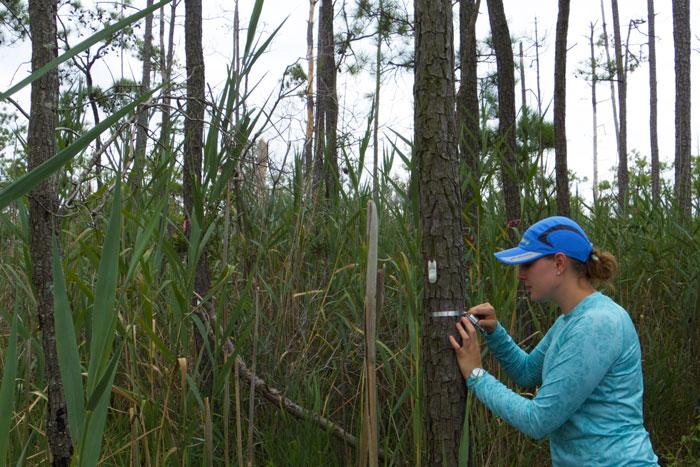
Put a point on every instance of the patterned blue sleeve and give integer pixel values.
(524, 369)
(588, 350)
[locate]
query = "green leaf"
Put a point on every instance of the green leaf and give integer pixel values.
(105, 34)
(94, 430)
(25, 183)
(7, 390)
(67, 348)
(103, 315)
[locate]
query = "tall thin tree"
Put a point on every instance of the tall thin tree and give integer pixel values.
(681, 47)
(442, 243)
(192, 166)
(309, 136)
(561, 166)
(43, 202)
(506, 112)
(136, 175)
(325, 151)
(610, 67)
(468, 106)
(594, 103)
(653, 127)
(622, 173)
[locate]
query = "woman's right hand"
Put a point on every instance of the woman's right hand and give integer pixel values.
(487, 316)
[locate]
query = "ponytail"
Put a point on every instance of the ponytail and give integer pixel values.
(600, 266)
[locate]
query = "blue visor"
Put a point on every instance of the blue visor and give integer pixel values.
(556, 234)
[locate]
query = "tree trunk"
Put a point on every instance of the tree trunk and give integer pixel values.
(561, 168)
(308, 142)
(681, 46)
(375, 111)
(166, 64)
(326, 157)
(468, 107)
(43, 202)
(441, 224)
(594, 103)
(653, 134)
(506, 113)
(192, 170)
(142, 114)
(613, 98)
(622, 175)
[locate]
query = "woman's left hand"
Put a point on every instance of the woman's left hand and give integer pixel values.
(469, 353)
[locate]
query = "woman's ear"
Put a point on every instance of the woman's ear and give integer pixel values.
(561, 263)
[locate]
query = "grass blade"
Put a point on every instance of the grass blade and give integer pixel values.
(103, 316)
(105, 34)
(26, 182)
(67, 348)
(7, 390)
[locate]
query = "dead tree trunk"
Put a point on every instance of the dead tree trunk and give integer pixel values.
(308, 142)
(562, 171)
(468, 106)
(611, 74)
(594, 103)
(681, 46)
(622, 174)
(43, 202)
(136, 175)
(442, 241)
(506, 112)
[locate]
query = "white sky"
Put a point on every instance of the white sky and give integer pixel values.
(396, 99)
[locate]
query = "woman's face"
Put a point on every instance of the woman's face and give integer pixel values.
(540, 278)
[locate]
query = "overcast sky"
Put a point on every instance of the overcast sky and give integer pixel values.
(396, 101)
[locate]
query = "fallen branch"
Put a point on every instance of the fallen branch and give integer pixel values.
(276, 397)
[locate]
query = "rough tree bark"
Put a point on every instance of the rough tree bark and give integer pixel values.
(43, 202)
(506, 112)
(442, 241)
(622, 174)
(653, 133)
(561, 168)
(192, 170)
(681, 47)
(325, 152)
(468, 104)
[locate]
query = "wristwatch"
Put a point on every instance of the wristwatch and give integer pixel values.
(477, 372)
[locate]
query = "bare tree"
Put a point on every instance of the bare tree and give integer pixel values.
(561, 168)
(506, 111)
(653, 134)
(308, 141)
(136, 174)
(442, 244)
(681, 46)
(609, 62)
(43, 202)
(594, 103)
(622, 174)
(468, 104)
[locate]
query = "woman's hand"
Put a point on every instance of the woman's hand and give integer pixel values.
(469, 354)
(487, 316)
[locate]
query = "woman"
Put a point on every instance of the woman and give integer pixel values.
(587, 366)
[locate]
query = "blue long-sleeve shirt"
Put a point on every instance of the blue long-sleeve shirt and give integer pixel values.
(589, 403)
